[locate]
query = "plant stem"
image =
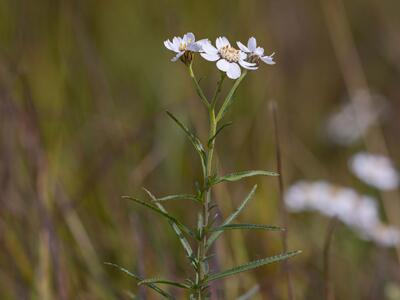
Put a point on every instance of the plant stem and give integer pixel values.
(202, 246)
(198, 88)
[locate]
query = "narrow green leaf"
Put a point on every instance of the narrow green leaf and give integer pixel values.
(215, 235)
(184, 242)
(229, 98)
(243, 174)
(138, 278)
(246, 226)
(217, 132)
(178, 197)
(160, 212)
(194, 140)
(163, 281)
(251, 265)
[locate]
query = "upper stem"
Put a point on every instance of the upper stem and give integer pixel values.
(229, 97)
(198, 88)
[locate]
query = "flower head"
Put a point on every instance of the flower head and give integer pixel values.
(375, 170)
(359, 212)
(228, 58)
(184, 47)
(254, 53)
(353, 119)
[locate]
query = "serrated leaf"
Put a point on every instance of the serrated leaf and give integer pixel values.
(163, 281)
(251, 265)
(193, 139)
(243, 174)
(138, 278)
(184, 242)
(215, 235)
(177, 197)
(246, 226)
(161, 212)
(217, 132)
(229, 98)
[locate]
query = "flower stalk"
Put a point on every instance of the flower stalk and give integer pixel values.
(204, 218)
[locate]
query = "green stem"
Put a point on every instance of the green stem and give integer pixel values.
(217, 91)
(202, 246)
(201, 269)
(229, 97)
(198, 88)
(201, 272)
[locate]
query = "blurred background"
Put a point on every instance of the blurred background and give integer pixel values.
(84, 86)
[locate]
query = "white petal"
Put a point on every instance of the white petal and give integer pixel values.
(209, 48)
(247, 65)
(176, 57)
(243, 55)
(242, 47)
(223, 65)
(259, 51)
(252, 44)
(168, 45)
(194, 47)
(221, 42)
(268, 60)
(234, 71)
(210, 56)
(176, 41)
(202, 42)
(189, 38)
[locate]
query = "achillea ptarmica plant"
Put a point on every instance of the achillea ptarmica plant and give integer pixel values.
(198, 242)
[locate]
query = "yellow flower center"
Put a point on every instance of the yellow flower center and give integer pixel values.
(182, 46)
(229, 53)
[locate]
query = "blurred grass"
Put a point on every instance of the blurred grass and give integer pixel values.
(83, 90)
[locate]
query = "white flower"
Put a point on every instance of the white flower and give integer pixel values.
(228, 58)
(350, 122)
(184, 46)
(375, 170)
(356, 211)
(254, 53)
(387, 236)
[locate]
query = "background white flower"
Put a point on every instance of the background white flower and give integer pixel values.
(228, 58)
(375, 170)
(254, 53)
(180, 45)
(357, 211)
(348, 124)
(386, 236)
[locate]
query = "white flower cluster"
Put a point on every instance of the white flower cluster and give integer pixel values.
(350, 123)
(357, 211)
(375, 170)
(228, 58)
